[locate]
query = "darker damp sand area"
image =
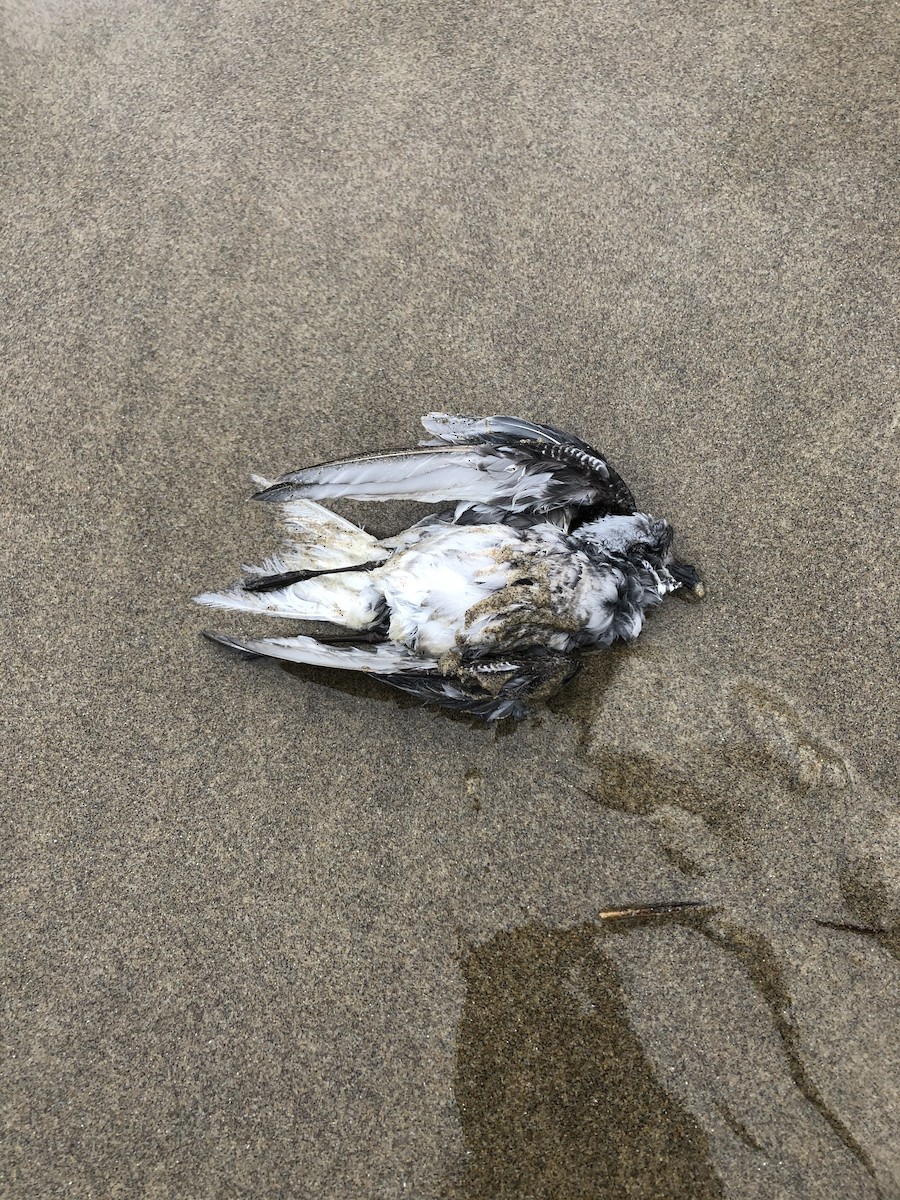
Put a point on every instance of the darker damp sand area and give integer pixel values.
(270, 935)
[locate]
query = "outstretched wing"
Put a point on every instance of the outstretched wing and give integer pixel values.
(503, 461)
(489, 688)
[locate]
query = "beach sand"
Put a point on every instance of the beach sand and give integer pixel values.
(274, 934)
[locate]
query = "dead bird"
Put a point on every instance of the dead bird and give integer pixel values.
(483, 607)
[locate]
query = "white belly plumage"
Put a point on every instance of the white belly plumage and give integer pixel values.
(456, 586)
(431, 585)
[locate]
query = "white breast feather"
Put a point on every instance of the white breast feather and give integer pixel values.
(430, 587)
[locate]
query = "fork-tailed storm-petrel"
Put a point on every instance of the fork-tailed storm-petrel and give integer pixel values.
(482, 607)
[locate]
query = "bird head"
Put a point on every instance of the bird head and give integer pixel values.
(644, 541)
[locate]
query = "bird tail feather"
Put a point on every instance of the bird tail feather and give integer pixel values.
(348, 598)
(319, 540)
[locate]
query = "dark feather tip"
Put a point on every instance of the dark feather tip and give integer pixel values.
(225, 639)
(271, 583)
(277, 493)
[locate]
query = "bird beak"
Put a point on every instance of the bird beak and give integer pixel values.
(691, 583)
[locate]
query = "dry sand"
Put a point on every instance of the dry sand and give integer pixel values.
(281, 936)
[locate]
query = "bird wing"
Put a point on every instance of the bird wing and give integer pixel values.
(504, 461)
(492, 688)
(374, 658)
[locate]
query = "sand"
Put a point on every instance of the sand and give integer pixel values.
(274, 934)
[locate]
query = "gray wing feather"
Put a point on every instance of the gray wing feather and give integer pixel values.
(449, 693)
(381, 659)
(503, 461)
(492, 688)
(543, 441)
(430, 475)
